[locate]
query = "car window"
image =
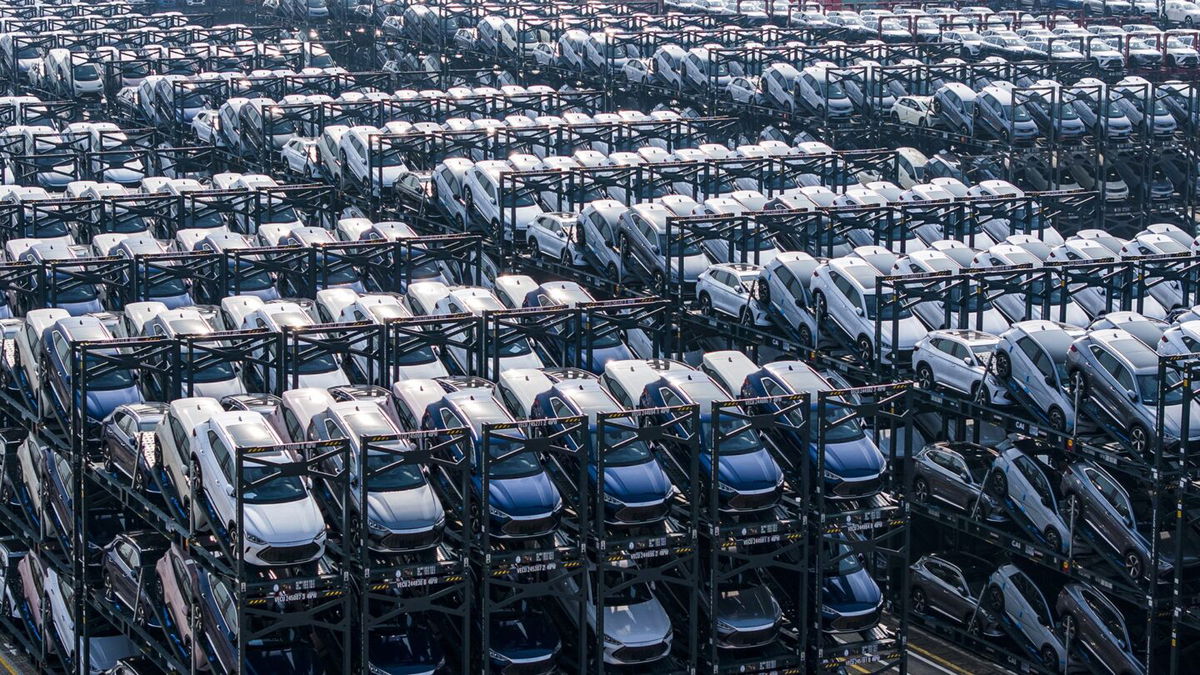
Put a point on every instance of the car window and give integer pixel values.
(560, 408)
(125, 423)
(177, 434)
(450, 420)
(221, 453)
(1110, 492)
(670, 398)
(128, 554)
(1034, 475)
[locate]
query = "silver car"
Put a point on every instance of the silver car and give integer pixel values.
(1031, 358)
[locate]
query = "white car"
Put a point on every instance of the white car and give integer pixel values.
(283, 524)
(1013, 594)
(205, 125)
(958, 360)
(554, 236)
(914, 110)
(844, 291)
(302, 157)
(727, 288)
(1182, 338)
(1182, 12)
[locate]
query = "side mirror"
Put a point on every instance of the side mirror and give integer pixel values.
(1050, 380)
(654, 249)
(858, 311)
(800, 302)
(1132, 395)
(968, 360)
(229, 490)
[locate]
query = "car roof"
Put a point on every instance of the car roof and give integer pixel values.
(1127, 347)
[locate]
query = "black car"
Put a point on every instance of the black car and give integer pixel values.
(128, 437)
(953, 473)
(128, 564)
(950, 585)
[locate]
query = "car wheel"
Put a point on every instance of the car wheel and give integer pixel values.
(1070, 625)
(460, 224)
(534, 250)
(979, 394)
(806, 337)
(1049, 658)
(972, 624)
(866, 352)
(925, 376)
(995, 599)
(1058, 421)
(1053, 540)
(1079, 385)
(919, 601)
(1187, 22)
(997, 485)
(468, 201)
(660, 280)
(1139, 439)
(611, 271)
(233, 537)
(822, 306)
(922, 122)
(921, 491)
(762, 292)
(1134, 566)
(494, 230)
(706, 307)
(565, 258)
(896, 118)
(1003, 365)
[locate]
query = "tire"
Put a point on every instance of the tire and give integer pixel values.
(762, 292)
(1053, 540)
(1049, 658)
(1003, 366)
(1135, 567)
(821, 306)
(534, 250)
(925, 377)
(995, 599)
(705, 303)
(1187, 22)
(922, 123)
(997, 485)
(1139, 439)
(459, 223)
(921, 491)
(612, 273)
(979, 394)
(660, 280)
(1058, 421)
(806, 337)
(971, 622)
(919, 601)
(565, 258)
(866, 351)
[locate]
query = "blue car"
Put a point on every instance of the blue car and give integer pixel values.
(854, 466)
(850, 599)
(636, 488)
(108, 387)
(521, 502)
(748, 479)
(603, 348)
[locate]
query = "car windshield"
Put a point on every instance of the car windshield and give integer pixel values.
(1150, 389)
(520, 464)
(207, 219)
(250, 280)
(111, 379)
(28, 53)
(834, 90)
(277, 489)
(316, 364)
(86, 72)
(1067, 112)
(847, 564)
(633, 452)
(739, 443)
(204, 371)
(1020, 113)
(385, 474)
(316, 3)
(891, 310)
(334, 271)
(633, 594)
(70, 291)
(1113, 111)
(679, 247)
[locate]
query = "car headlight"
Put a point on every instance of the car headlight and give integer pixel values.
(725, 627)
(609, 499)
(611, 641)
(496, 513)
(253, 539)
(725, 489)
(493, 654)
(558, 503)
(375, 526)
(829, 475)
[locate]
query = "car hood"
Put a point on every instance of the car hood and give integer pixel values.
(693, 267)
(288, 522)
(1173, 420)
(106, 651)
(748, 608)
(749, 471)
(637, 483)
(101, 403)
(413, 509)
(527, 496)
(533, 637)
(637, 624)
(215, 390)
(852, 592)
(854, 459)
(909, 331)
(601, 357)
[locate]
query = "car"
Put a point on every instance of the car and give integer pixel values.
(854, 467)
(636, 626)
(914, 110)
(844, 293)
(1181, 338)
(1092, 623)
(728, 288)
(1118, 375)
(513, 352)
(959, 360)
(105, 644)
(637, 490)
(599, 344)
(553, 235)
(1012, 594)
(1042, 294)
(283, 523)
(1144, 328)
(783, 288)
(401, 513)
(951, 584)
(748, 477)
(127, 565)
(643, 234)
(522, 502)
(301, 157)
(114, 387)
(127, 435)
(954, 473)
(1018, 480)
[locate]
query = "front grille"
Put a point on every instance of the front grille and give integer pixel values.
(638, 654)
(642, 514)
(753, 502)
(751, 638)
(854, 623)
(528, 528)
(289, 554)
(409, 541)
(858, 488)
(528, 668)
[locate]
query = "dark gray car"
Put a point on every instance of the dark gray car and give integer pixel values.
(1118, 373)
(954, 473)
(951, 585)
(1094, 626)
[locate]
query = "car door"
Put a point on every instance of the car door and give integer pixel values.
(941, 477)
(126, 573)
(841, 307)
(1032, 492)
(953, 599)
(1035, 375)
(723, 295)
(1112, 517)
(1106, 382)
(1030, 608)
(959, 489)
